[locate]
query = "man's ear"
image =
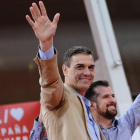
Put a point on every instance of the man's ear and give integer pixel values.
(65, 69)
(93, 105)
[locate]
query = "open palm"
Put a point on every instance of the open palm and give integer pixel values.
(42, 26)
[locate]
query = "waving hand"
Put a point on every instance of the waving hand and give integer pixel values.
(44, 29)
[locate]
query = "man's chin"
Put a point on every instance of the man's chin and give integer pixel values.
(85, 84)
(110, 114)
(113, 110)
(113, 113)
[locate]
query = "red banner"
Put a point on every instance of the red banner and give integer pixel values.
(16, 120)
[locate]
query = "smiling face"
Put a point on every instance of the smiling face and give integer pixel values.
(80, 74)
(106, 102)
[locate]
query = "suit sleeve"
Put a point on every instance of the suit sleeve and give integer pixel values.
(52, 88)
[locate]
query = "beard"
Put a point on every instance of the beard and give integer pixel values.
(108, 114)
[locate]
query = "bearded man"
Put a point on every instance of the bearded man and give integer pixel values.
(103, 109)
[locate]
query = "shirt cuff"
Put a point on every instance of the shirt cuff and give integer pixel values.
(46, 55)
(38, 126)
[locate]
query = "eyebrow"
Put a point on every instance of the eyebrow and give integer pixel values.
(109, 94)
(92, 65)
(83, 65)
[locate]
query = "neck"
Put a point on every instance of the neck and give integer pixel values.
(105, 123)
(79, 91)
(82, 92)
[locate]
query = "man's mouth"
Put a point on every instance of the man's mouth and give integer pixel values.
(111, 105)
(85, 78)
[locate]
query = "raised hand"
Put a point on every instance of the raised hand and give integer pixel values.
(42, 26)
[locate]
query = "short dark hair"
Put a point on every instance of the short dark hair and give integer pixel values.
(73, 51)
(91, 94)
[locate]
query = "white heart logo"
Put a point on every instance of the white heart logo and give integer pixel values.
(17, 113)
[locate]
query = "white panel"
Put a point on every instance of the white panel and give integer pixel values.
(109, 66)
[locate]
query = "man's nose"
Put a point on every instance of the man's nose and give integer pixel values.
(113, 100)
(86, 71)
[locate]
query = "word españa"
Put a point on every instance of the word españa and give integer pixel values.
(13, 131)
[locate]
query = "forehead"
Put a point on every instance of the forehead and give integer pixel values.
(103, 90)
(82, 59)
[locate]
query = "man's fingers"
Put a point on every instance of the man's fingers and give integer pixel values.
(36, 10)
(42, 7)
(30, 21)
(33, 13)
(56, 18)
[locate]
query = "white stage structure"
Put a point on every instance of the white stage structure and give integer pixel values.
(109, 66)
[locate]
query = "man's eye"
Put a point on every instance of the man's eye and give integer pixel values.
(113, 96)
(79, 67)
(91, 68)
(105, 96)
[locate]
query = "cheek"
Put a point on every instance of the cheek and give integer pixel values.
(104, 104)
(101, 104)
(74, 75)
(92, 75)
(115, 102)
(77, 74)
